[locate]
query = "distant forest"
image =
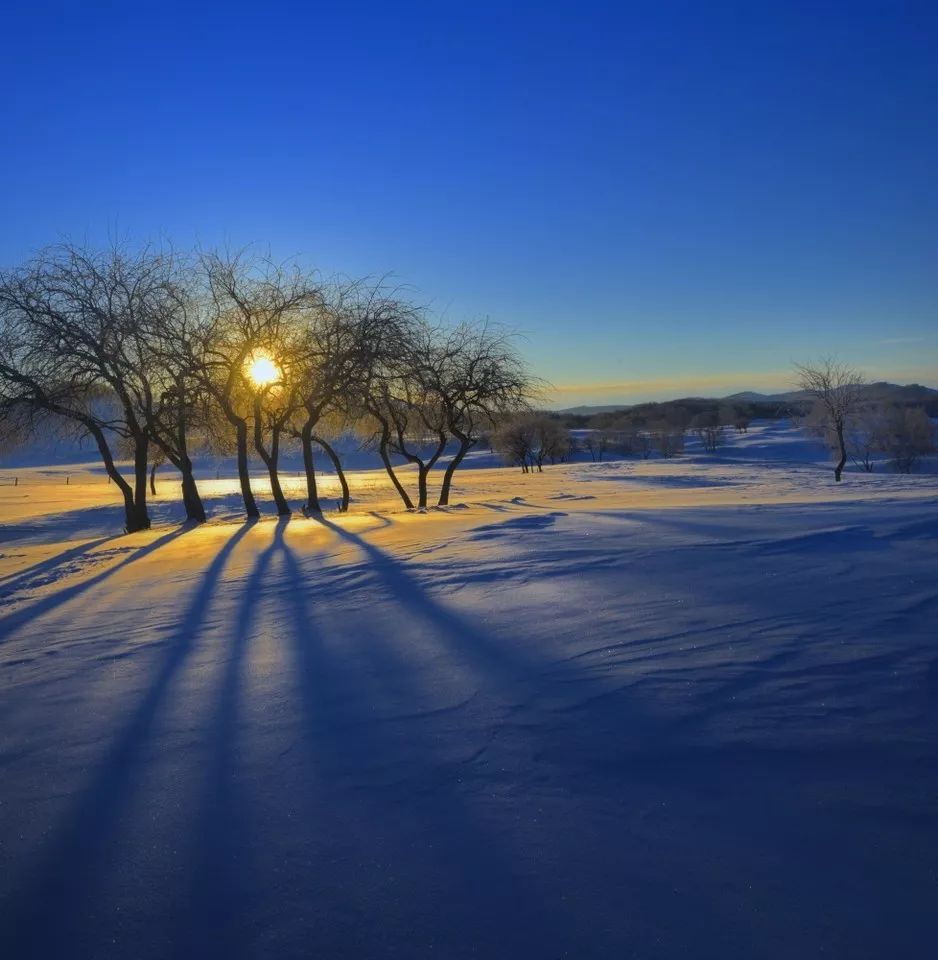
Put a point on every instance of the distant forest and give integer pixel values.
(734, 409)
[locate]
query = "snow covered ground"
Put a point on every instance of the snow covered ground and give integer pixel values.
(625, 709)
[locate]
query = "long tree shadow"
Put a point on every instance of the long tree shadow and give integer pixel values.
(67, 874)
(55, 600)
(535, 683)
(495, 659)
(16, 581)
(390, 788)
(222, 875)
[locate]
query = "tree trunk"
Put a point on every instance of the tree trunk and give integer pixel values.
(142, 518)
(270, 461)
(424, 468)
(839, 469)
(270, 458)
(190, 493)
(312, 493)
(195, 511)
(451, 467)
(283, 508)
(422, 472)
(250, 504)
(340, 472)
(130, 518)
(386, 460)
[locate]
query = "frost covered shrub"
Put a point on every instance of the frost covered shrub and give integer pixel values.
(908, 435)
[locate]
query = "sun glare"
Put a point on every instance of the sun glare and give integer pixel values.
(262, 370)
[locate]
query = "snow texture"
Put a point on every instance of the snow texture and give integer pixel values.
(624, 709)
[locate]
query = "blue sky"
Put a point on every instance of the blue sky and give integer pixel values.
(666, 198)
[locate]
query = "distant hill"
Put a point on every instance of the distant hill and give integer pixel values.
(589, 411)
(747, 396)
(912, 393)
(881, 390)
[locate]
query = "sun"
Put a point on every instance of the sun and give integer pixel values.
(262, 370)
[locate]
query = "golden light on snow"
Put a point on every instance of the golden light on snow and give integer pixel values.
(262, 370)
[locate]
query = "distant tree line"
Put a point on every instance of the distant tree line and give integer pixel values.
(859, 421)
(678, 414)
(530, 440)
(158, 356)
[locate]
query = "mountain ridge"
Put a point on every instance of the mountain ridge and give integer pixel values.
(880, 390)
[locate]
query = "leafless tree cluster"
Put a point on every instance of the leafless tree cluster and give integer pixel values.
(530, 440)
(668, 440)
(599, 443)
(595, 443)
(709, 429)
(860, 429)
(155, 356)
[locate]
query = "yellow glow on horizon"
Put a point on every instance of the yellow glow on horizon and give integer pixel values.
(262, 370)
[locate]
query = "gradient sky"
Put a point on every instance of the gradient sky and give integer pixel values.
(666, 198)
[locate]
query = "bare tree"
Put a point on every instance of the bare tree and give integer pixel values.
(591, 444)
(598, 442)
(668, 440)
(331, 354)
(414, 406)
(481, 378)
(837, 389)
(177, 411)
(248, 302)
(514, 442)
(75, 323)
(709, 429)
(531, 439)
(395, 408)
(551, 441)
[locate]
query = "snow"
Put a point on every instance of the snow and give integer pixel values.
(623, 709)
